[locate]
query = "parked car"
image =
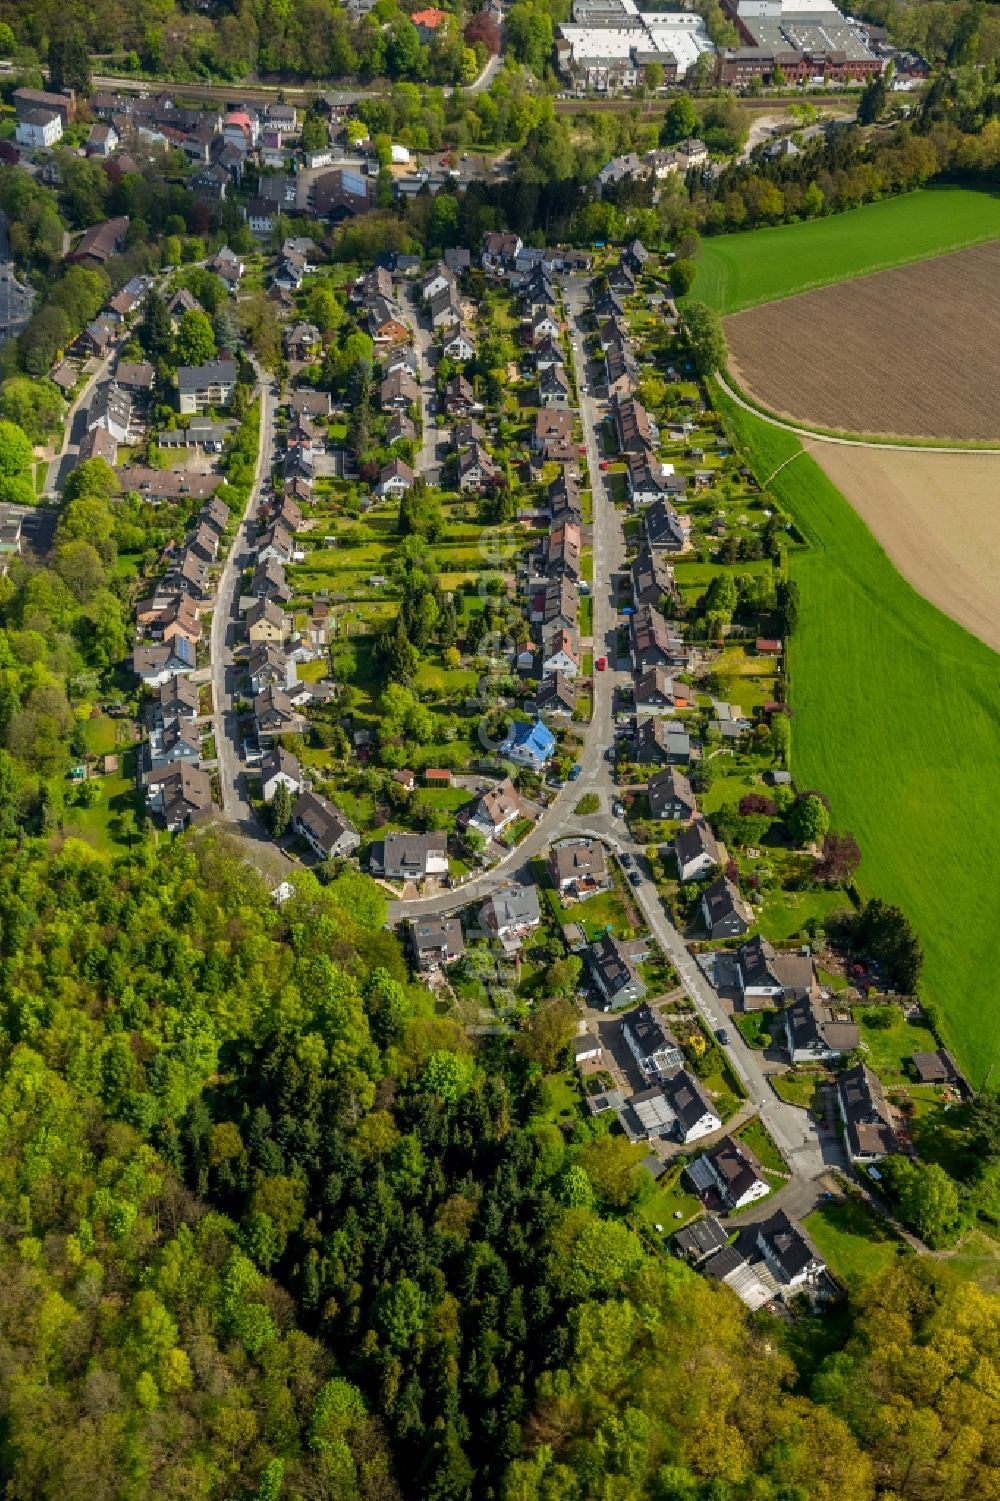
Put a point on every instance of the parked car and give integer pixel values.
(575, 771)
(604, 465)
(627, 860)
(721, 1035)
(635, 878)
(602, 663)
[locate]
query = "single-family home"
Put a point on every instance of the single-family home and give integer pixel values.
(395, 478)
(724, 912)
(553, 388)
(867, 1119)
(435, 941)
(817, 1033)
(268, 667)
(687, 1113)
(556, 696)
(325, 829)
(180, 793)
(659, 742)
(511, 912)
(701, 1240)
(655, 689)
(410, 857)
(459, 345)
(269, 582)
(562, 551)
(529, 745)
(476, 469)
(38, 128)
(551, 426)
(560, 652)
(730, 1171)
(579, 868)
(154, 665)
(791, 1257)
(652, 644)
(670, 796)
(696, 851)
(666, 529)
(275, 542)
(112, 410)
(398, 391)
(614, 973)
(265, 621)
(500, 251)
(496, 810)
(555, 602)
(459, 397)
(762, 973)
(280, 768)
(651, 1044)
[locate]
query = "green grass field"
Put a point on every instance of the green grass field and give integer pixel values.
(897, 720)
(741, 270)
(852, 1239)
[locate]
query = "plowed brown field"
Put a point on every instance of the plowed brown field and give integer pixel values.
(938, 517)
(913, 352)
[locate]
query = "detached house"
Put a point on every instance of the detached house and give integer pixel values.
(436, 941)
(731, 1172)
(696, 850)
(762, 973)
(866, 1117)
(496, 810)
(411, 857)
(614, 973)
(560, 652)
(725, 913)
(790, 1255)
(324, 828)
(529, 745)
(670, 796)
(394, 479)
(579, 868)
(815, 1033)
(654, 1049)
(511, 912)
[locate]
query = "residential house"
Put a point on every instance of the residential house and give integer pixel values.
(564, 498)
(579, 868)
(275, 543)
(302, 340)
(112, 410)
(136, 379)
(175, 742)
(305, 402)
(496, 810)
(652, 580)
(548, 353)
(867, 1119)
(614, 973)
(459, 397)
(637, 433)
(790, 1255)
(556, 696)
(653, 1047)
(398, 391)
(458, 260)
(658, 742)
(445, 310)
(341, 194)
(511, 912)
(411, 857)
(280, 768)
(180, 793)
(666, 529)
(269, 582)
(690, 1113)
(730, 1171)
(385, 324)
(395, 478)
(636, 256)
(562, 551)
(202, 386)
(436, 941)
(560, 652)
(269, 667)
(724, 912)
(178, 699)
(437, 280)
(275, 713)
(764, 973)
(400, 430)
(476, 469)
(551, 426)
(700, 1240)
(27, 100)
(178, 620)
(670, 796)
(500, 251)
(530, 745)
(696, 851)
(203, 542)
(228, 266)
(621, 371)
(553, 387)
(98, 336)
(652, 644)
(459, 345)
(154, 665)
(817, 1033)
(266, 622)
(325, 829)
(38, 129)
(656, 690)
(556, 603)
(98, 444)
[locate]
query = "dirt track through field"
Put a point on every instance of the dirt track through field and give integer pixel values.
(913, 352)
(937, 516)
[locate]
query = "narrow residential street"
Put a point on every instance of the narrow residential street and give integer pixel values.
(426, 458)
(75, 429)
(226, 629)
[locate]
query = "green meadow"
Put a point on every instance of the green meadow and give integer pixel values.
(741, 270)
(896, 717)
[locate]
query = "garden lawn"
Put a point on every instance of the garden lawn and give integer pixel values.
(852, 1239)
(893, 701)
(755, 1135)
(669, 1206)
(741, 270)
(888, 1048)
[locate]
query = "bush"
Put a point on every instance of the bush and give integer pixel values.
(589, 803)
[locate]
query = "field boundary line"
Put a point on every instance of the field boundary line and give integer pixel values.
(819, 436)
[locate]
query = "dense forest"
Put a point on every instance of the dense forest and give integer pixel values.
(273, 1226)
